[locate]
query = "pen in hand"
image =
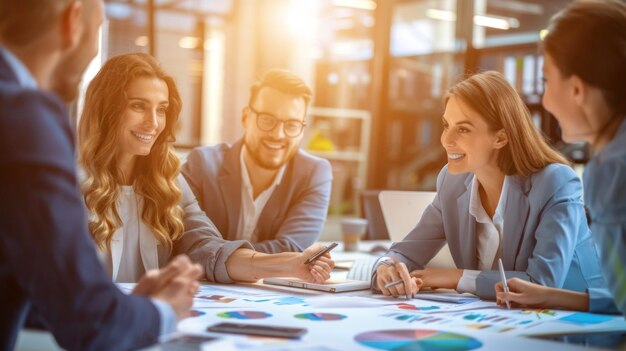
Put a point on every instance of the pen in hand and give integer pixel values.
(505, 286)
(393, 283)
(396, 282)
(320, 253)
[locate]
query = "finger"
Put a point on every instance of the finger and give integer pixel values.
(328, 261)
(176, 266)
(406, 279)
(313, 249)
(161, 278)
(516, 284)
(380, 284)
(499, 287)
(418, 273)
(396, 290)
(192, 272)
(325, 274)
(511, 297)
(416, 284)
(146, 283)
(316, 277)
(321, 265)
(392, 277)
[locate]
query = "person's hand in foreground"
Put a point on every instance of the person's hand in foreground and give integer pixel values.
(175, 284)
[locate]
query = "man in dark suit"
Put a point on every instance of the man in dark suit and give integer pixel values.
(47, 259)
(265, 188)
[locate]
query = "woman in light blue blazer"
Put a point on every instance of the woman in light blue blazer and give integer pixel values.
(504, 194)
(589, 101)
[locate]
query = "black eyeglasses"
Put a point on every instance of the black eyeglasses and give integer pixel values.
(267, 122)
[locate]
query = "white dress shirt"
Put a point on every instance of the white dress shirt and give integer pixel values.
(488, 233)
(252, 208)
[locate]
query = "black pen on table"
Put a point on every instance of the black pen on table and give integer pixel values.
(320, 253)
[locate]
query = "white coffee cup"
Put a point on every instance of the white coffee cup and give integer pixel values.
(352, 229)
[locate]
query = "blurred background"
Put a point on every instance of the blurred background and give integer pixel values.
(379, 70)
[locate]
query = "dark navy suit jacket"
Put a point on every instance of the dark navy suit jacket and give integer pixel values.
(47, 258)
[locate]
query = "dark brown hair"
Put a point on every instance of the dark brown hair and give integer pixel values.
(24, 21)
(283, 81)
(588, 39)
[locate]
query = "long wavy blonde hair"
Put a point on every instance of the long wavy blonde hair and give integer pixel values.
(155, 174)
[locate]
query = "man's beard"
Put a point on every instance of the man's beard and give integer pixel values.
(258, 159)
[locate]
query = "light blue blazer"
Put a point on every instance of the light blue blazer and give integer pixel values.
(545, 236)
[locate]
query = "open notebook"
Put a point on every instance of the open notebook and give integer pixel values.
(331, 285)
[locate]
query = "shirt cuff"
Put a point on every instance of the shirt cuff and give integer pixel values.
(381, 260)
(467, 283)
(168, 316)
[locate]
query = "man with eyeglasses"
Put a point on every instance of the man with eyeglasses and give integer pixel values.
(264, 188)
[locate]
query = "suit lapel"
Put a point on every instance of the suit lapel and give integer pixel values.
(117, 246)
(467, 229)
(515, 216)
(230, 185)
(147, 243)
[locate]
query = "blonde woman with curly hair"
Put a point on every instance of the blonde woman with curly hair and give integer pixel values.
(142, 212)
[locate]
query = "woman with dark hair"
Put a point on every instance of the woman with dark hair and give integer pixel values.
(585, 72)
(142, 211)
(504, 194)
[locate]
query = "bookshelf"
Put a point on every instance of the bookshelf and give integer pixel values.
(341, 135)
(432, 44)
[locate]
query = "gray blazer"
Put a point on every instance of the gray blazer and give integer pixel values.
(293, 216)
(545, 236)
(201, 240)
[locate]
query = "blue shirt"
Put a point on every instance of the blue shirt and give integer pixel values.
(605, 197)
(24, 78)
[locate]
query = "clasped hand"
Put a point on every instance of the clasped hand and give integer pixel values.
(176, 284)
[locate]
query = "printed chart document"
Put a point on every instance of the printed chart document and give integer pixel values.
(333, 285)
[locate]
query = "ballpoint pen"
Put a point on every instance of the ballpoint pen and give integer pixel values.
(395, 282)
(505, 286)
(320, 253)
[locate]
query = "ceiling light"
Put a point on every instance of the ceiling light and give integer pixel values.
(357, 4)
(141, 40)
(442, 15)
(496, 22)
(189, 42)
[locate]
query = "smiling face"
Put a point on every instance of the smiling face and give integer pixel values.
(470, 145)
(144, 117)
(272, 149)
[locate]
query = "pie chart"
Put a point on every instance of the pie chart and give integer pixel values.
(417, 339)
(244, 314)
(320, 316)
(406, 306)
